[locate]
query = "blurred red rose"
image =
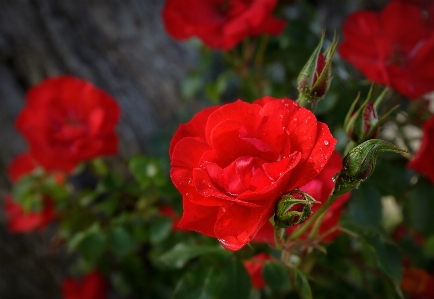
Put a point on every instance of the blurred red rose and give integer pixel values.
(18, 220)
(389, 53)
(93, 286)
(21, 165)
(423, 4)
(67, 120)
(423, 160)
(231, 163)
(254, 267)
(319, 188)
(417, 283)
(24, 164)
(221, 24)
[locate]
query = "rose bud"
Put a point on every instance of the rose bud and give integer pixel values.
(363, 124)
(293, 208)
(314, 79)
(360, 162)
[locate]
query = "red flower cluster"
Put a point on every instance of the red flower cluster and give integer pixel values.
(254, 267)
(93, 286)
(66, 121)
(390, 53)
(18, 220)
(220, 24)
(423, 161)
(418, 283)
(231, 163)
(319, 188)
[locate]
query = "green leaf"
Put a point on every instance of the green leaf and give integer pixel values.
(199, 284)
(179, 255)
(365, 205)
(276, 276)
(302, 285)
(238, 282)
(420, 207)
(92, 246)
(120, 241)
(389, 257)
(160, 229)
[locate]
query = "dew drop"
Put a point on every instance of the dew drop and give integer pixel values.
(326, 142)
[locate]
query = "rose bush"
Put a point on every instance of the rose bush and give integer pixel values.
(67, 120)
(319, 188)
(231, 163)
(397, 56)
(220, 24)
(423, 160)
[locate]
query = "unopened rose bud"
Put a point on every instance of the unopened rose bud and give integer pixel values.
(293, 208)
(360, 162)
(314, 79)
(364, 124)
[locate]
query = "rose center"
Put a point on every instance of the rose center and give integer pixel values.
(398, 55)
(231, 8)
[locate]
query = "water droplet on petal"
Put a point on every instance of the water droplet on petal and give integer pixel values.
(326, 142)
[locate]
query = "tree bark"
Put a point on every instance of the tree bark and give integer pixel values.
(120, 46)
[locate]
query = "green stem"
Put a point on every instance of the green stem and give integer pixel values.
(332, 198)
(278, 233)
(259, 58)
(316, 226)
(307, 102)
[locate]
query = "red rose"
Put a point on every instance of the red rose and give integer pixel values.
(423, 160)
(21, 165)
(231, 163)
(66, 121)
(389, 54)
(254, 267)
(93, 286)
(20, 221)
(220, 24)
(319, 188)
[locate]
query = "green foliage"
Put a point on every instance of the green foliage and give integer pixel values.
(276, 276)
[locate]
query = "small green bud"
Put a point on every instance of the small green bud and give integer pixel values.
(360, 162)
(293, 208)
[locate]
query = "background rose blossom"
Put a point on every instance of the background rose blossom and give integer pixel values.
(423, 160)
(231, 163)
(389, 53)
(20, 221)
(93, 286)
(17, 219)
(220, 24)
(66, 120)
(254, 267)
